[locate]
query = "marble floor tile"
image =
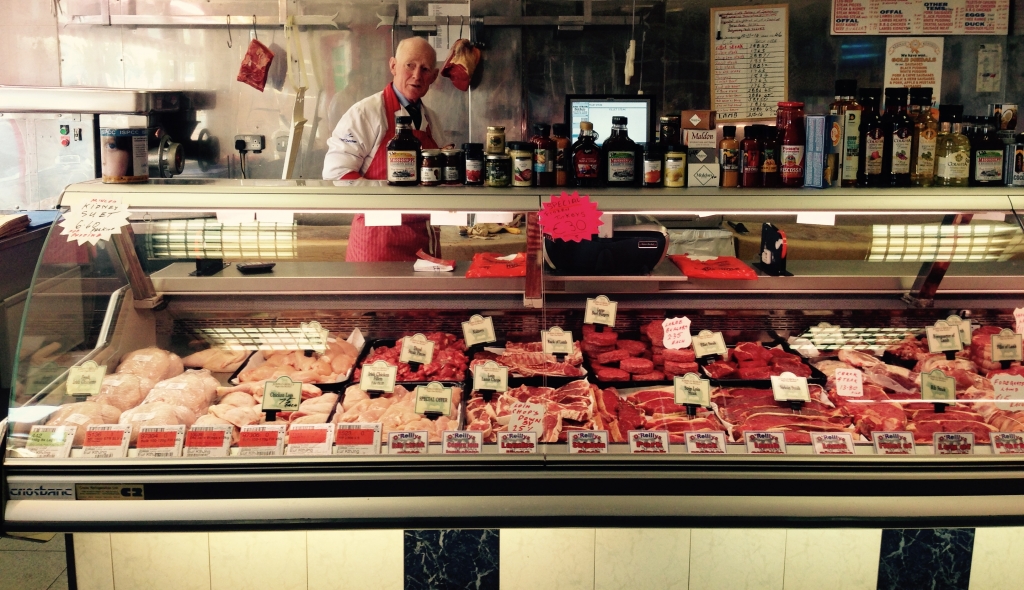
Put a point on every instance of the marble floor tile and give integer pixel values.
(735, 559)
(161, 561)
(547, 558)
(451, 559)
(642, 558)
(937, 559)
(837, 559)
(368, 560)
(996, 558)
(61, 583)
(35, 570)
(94, 569)
(258, 560)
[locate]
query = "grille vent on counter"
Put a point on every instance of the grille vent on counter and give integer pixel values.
(208, 238)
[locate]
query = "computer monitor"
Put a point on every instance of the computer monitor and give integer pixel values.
(600, 108)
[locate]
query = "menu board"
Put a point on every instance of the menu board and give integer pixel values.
(917, 17)
(749, 61)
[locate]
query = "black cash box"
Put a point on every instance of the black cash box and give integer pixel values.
(634, 249)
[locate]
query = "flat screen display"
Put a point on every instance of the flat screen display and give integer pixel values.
(599, 110)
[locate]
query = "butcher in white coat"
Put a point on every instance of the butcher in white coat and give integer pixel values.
(358, 149)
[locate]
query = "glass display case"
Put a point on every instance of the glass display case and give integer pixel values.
(853, 301)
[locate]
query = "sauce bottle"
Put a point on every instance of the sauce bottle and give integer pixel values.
(986, 155)
(899, 136)
(872, 139)
(953, 150)
(926, 131)
(403, 154)
(560, 133)
(789, 120)
(619, 156)
(729, 155)
(769, 157)
(750, 157)
(847, 107)
(544, 154)
(586, 158)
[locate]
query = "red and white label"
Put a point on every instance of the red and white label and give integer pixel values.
(208, 441)
(411, 442)
(893, 443)
(160, 441)
(261, 440)
(705, 443)
(1009, 389)
(1018, 317)
(1008, 443)
(462, 442)
(832, 443)
(572, 218)
(517, 443)
(765, 443)
(106, 441)
(588, 442)
(677, 333)
(357, 439)
(953, 443)
(648, 441)
(526, 417)
(849, 382)
(310, 439)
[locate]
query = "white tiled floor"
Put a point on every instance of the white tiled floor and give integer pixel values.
(996, 558)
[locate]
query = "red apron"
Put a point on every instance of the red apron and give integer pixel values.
(394, 243)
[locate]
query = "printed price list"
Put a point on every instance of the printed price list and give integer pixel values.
(913, 17)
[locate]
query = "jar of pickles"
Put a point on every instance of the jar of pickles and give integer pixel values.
(498, 171)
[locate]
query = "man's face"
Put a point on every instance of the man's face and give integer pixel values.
(414, 71)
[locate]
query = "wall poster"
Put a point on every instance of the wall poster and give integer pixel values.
(918, 17)
(749, 61)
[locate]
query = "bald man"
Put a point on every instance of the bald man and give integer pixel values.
(358, 149)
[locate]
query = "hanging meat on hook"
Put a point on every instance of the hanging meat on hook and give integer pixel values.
(461, 63)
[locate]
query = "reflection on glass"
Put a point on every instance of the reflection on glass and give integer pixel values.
(958, 243)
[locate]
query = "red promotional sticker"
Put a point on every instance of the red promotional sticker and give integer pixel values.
(309, 436)
(572, 218)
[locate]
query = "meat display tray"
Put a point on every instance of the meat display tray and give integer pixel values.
(356, 339)
(460, 411)
(515, 380)
(816, 378)
(634, 336)
(390, 342)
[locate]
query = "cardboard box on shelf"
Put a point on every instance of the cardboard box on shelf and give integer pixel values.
(698, 119)
(821, 155)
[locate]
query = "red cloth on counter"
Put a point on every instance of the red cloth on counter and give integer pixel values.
(720, 267)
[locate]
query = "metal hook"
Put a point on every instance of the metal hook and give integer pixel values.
(448, 28)
(229, 32)
(462, 21)
(254, 34)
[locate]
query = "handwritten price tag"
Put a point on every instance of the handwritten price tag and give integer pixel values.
(849, 382)
(1011, 389)
(94, 220)
(572, 218)
(1018, 318)
(677, 333)
(526, 417)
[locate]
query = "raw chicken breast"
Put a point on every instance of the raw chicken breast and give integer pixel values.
(151, 363)
(238, 416)
(255, 389)
(156, 414)
(193, 389)
(237, 398)
(394, 412)
(318, 405)
(83, 414)
(217, 360)
(123, 390)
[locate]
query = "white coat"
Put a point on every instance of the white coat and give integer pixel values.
(359, 134)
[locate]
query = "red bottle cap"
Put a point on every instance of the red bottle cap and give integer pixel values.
(791, 105)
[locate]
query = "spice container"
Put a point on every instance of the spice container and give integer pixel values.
(496, 140)
(124, 148)
(403, 154)
(560, 133)
(454, 166)
(474, 163)
(652, 167)
(790, 123)
(431, 168)
(674, 171)
(522, 162)
(544, 153)
(498, 172)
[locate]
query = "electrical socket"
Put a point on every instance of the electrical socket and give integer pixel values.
(253, 143)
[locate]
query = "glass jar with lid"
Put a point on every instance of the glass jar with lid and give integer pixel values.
(431, 168)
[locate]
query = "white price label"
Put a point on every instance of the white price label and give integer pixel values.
(517, 443)
(893, 443)
(86, 379)
(106, 441)
(787, 387)
(849, 382)
(765, 443)
(95, 219)
(411, 442)
(462, 442)
(832, 443)
(208, 441)
(705, 443)
(648, 441)
(160, 441)
(600, 310)
(953, 443)
(355, 438)
(490, 376)
(50, 442)
(261, 440)
(708, 343)
(943, 337)
(588, 442)
(1009, 391)
(690, 389)
(556, 341)
(1006, 346)
(677, 333)
(380, 376)
(478, 330)
(417, 349)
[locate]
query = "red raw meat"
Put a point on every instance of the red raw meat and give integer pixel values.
(720, 369)
(637, 366)
(593, 349)
(673, 368)
(652, 376)
(658, 359)
(950, 414)
(629, 417)
(606, 338)
(750, 351)
(777, 353)
(856, 358)
(684, 355)
(683, 424)
(256, 65)
(529, 360)
(924, 430)
(787, 366)
(612, 375)
(612, 357)
(449, 362)
(633, 347)
(750, 364)
(754, 373)
(655, 331)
